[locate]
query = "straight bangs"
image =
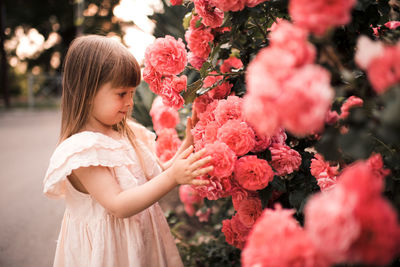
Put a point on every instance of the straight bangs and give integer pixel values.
(124, 70)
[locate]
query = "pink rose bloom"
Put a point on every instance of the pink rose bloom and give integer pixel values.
(235, 232)
(175, 83)
(253, 3)
(238, 192)
(249, 210)
(384, 71)
(261, 113)
(210, 132)
(203, 216)
(331, 117)
(195, 61)
(217, 188)
(293, 40)
(200, 103)
(278, 240)
(153, 79)
(320, 15)
(231, 63)
(163, 116)
(176, 2)
(212, 16)
(353, 222)
(323, 172)
(390, 24)
(375, 162)
(170, 97)
(167, 144)
(223, 159)
(366, 51)
(262, 143)
(208, 115)
(229, 5)
(166, 55)
(379, 239)
(220, 91)
(253, 173)
(330, 223)
(279, 137)
(237, 135)
(351, 102)
(198, 41)
(307, 99)
(189, 195)
(284, 160)
(229, 109)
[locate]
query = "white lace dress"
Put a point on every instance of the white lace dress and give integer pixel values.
(91, 237)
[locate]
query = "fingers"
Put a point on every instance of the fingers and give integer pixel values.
(201, 162)
(194, 119)
(203, 171)
(200, 182)
(186, 153)
(196, 156)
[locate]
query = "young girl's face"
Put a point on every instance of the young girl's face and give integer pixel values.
(111, 105)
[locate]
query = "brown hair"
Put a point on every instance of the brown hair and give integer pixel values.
(91, 62)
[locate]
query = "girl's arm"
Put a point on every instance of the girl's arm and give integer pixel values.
(103, 187)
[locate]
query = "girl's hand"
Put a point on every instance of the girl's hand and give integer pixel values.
(191, 122)
(188, 166)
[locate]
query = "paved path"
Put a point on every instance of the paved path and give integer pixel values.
(29, 221)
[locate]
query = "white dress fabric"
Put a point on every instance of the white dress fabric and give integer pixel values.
(90, 236)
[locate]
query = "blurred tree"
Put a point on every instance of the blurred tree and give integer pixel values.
(51, 26)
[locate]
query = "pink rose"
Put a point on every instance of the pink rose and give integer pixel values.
(237, 135)
(176, 2)
(262, 142)
(195, 61)
(284, 159)
(228, 109)
(351, 102)
(278, 240)
(200, 103)
(167, 144)
(307, 99)
(223, 159)
(198, 42)
(323, 172)
(163, 116)
(220, 91)
(249, 210)
(229, 5)
(253, 173)
(293, 40)
(212, 16)
(235, 232)
(231, 63)
(153, 79)
(217, 188)
(166, 55)
(189, 195)
(320, 15)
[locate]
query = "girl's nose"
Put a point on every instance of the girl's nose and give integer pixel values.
(130, 101)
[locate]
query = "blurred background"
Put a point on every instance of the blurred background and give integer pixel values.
(34, 38)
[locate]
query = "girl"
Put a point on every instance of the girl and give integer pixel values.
(105, 166)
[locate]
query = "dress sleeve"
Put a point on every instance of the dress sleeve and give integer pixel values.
(144, 135)
(82, 150)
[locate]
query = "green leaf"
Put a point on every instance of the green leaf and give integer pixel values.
(190, 95)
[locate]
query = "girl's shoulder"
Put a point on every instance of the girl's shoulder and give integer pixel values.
(143, 134)
(83, 149)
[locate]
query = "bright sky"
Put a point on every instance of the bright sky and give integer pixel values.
(138, 37)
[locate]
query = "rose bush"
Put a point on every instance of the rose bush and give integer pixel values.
(297, 103)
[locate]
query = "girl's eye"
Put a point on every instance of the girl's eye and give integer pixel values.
(122, 94)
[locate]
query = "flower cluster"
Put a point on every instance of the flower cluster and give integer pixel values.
(323, 172)
(380, 61)
(235, 5)
(284, 88)
(163, 116)
(190, 198)
(278, 240)
(167, 144)
(319, 16)
(352, 222)
(164, 59)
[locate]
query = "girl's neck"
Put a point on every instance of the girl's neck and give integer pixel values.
(101, 128)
